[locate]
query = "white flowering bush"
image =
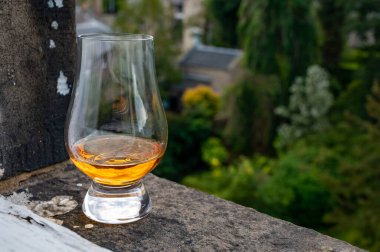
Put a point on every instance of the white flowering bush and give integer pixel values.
(309, 102)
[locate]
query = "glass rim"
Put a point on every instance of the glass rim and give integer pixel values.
(115, 37)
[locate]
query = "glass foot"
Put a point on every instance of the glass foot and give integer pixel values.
(116, 205)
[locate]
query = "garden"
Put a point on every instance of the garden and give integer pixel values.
(297, 135)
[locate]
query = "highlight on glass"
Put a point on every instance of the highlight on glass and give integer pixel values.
(116, 128)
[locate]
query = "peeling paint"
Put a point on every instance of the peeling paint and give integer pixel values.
(52, 44)
(58, 205)
(50, 3)
(62, 87)
(54, 24)
(21, 198)
(59, 3)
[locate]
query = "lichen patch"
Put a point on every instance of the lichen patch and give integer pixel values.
(21, 198)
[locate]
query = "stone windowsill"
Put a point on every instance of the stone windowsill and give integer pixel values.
(182, 219)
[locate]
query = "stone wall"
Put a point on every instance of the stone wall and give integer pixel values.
(37, 60)
(182, 219)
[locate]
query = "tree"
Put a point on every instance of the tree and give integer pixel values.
(188, 131)
(152, 17)
(332, 16)
(279, 37)
(248, 113)
(224, 21)
(362, 19)
(310, 100)
(356, 217)
(362, 57)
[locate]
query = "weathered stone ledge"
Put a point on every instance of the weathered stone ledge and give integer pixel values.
(182, 219)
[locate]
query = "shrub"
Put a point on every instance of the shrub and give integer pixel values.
(187, 132)
(213, 152)
(247, 109)
(289, 188)
(200, 101)
(310, 100)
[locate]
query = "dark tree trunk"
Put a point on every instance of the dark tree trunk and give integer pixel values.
(332, 17)
(37, 60)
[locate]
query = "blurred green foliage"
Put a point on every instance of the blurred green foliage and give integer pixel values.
(356, 190)
(288, 188)
(154, 18)
(200, 102)
(328, 180)
(187, 132)
(327, 177)
(223, 19)
(331, 16)
(213, 152)
(247, 112)
(183, 154)
(309, 102)
(279, 37)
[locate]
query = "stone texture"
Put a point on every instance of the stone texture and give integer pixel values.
(182, 219)
(32, 113)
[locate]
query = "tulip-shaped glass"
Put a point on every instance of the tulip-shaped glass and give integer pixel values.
(116, 129)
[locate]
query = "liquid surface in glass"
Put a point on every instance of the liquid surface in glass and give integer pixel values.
(116, 160)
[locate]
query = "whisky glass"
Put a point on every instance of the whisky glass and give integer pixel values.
(116, 128)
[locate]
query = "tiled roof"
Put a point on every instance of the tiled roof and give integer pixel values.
(198, 78)
(210, 57)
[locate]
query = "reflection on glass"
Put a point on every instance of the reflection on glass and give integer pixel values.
(116, 129)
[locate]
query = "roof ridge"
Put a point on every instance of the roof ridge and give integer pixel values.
(210, 57)
(217, 49)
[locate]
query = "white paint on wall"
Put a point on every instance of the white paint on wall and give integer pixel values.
(59, 3)
(52, 44)
(50, 3)
(54, 24)
(58, 205)
(62, 86)
(1, 172)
